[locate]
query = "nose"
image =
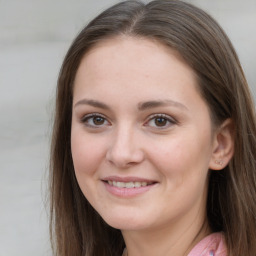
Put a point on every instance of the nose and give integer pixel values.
(125, 149)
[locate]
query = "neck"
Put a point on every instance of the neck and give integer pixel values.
(174, 239)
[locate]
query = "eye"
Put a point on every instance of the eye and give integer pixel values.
(160, 121)
(95, 120)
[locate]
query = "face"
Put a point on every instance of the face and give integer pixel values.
(141, 135)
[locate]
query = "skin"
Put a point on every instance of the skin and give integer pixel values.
(171, 143)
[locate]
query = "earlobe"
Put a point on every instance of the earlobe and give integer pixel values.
(223, 145)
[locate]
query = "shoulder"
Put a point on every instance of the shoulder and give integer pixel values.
(212, 245)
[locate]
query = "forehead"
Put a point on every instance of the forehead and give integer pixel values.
(119, 68)
(133, 55)
(135, 43)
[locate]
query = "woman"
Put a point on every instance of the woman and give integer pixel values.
(154, 147)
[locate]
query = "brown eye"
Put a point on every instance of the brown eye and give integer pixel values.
(98, 120)
(160, 121)
(95, 121)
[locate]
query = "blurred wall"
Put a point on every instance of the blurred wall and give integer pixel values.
(34, 36)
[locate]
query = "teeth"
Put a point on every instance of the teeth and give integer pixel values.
(136, 184)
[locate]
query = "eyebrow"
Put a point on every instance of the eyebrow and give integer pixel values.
(141, 106)
(160, 103)
(93, 103)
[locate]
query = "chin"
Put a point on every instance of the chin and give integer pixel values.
(125, 222)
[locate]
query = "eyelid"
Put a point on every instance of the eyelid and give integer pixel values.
(171, 120)
(92, 115)
(86, 117)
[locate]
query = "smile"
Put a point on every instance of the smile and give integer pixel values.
(127, 187)
(136, 184)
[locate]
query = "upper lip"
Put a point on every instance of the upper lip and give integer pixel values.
(128, 179)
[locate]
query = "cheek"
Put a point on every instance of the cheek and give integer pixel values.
(172, 153)
(86, 153)
(182, 156)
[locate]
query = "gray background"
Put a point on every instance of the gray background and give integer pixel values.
(34, 36)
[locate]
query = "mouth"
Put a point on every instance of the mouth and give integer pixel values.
(131, 184)
(128, 186)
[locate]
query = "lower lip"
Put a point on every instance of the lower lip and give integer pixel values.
(127, 192)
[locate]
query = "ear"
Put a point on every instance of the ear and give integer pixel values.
(223, 145)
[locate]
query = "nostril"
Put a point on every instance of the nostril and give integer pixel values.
(124, 158)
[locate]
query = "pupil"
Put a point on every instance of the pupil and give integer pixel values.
(98, 120)
(160, 121)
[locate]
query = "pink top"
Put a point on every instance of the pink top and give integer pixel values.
(212, 245)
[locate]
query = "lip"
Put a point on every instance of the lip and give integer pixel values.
(128, 192)
(128, 179)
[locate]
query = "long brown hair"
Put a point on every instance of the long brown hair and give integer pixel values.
(76, 228)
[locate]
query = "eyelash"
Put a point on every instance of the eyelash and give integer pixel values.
(168, 121)
(86, 119)
(166, 118)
